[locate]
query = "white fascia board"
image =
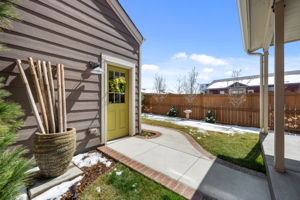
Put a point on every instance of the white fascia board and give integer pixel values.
(243, 8)
(269, 31)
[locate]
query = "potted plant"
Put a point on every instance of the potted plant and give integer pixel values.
(54, 143)
(53, 152)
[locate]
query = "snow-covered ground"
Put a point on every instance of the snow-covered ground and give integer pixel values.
(204, 126)
(80, 160)
(90, 159)
(56, 192)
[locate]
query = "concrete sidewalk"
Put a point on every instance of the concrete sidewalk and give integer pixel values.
(283, 185)
(172, 154)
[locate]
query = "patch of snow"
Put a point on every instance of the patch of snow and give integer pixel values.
(23, 195)
(205, 126)
(90, 159)
(56, 192)
(134, 185)
(98, 189)
(119, 173)
(108, 163)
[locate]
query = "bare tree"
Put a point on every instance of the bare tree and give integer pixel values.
(159, 84)
(160, 87)
(237, 89)
(190, 85)
(179, 84)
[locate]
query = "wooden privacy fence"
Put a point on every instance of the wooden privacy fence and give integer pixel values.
(247, 114)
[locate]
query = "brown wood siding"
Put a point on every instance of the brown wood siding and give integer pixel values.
(71, 32)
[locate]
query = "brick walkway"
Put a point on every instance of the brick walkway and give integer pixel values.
(158, 177)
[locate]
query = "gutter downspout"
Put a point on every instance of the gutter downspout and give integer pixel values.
(266, 91)
(261, 90)
(140, 90)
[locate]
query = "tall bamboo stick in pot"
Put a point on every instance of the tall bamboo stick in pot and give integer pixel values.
(38, 93)
(59, 90)
(42, 86)
(64, 107)
(30, 97)
(49, 98)
(53, 96)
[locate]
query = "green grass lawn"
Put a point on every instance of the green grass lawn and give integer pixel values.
(241, 149)
(124, 183)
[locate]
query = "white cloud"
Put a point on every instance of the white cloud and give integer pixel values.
(228, 73)
(180, 55)
(207, 69)
(208, 60)
(203, 77)
(150, 67)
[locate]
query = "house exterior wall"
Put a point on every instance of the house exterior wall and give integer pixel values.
(216, 91)
(71, 33)
(292, 88)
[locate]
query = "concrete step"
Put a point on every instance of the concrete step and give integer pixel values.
(43, 184)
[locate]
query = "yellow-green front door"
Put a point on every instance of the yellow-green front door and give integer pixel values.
(118, 106)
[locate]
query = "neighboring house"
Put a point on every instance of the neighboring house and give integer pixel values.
(75, 33)
(149, 91)
(250, 84)
(202, 87)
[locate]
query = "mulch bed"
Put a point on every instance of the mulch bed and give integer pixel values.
(90, 175)
(154, 134)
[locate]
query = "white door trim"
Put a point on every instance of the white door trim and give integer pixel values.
(110, 60)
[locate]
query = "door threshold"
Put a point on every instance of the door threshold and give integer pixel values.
(117, 139)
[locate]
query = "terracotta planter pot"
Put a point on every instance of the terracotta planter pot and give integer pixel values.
(53, 152)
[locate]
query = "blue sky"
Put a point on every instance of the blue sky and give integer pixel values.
(181, 34)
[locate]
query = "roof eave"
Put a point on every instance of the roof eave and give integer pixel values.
(244, 9)
(244, 23)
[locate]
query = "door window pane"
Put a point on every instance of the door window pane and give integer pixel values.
(115, 97)
(122, 100)
(111, 98)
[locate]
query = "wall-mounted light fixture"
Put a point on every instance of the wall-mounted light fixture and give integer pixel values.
(96, 68)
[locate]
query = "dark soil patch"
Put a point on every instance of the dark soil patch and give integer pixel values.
(148, 134)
